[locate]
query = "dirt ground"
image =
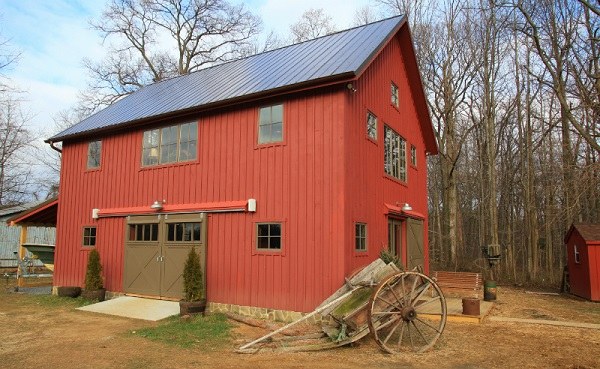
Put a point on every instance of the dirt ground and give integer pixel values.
(36, 336)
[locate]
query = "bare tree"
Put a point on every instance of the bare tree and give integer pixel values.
(156, 39)
(363, 15)
(312, 24)
(15, 138)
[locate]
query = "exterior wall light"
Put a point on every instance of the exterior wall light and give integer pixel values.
(157, 205)
(406, 207)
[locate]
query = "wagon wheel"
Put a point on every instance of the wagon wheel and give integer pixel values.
(407, 312)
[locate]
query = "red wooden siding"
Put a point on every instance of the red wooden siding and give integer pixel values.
(368, 187)
(292, 183)
(584, 276)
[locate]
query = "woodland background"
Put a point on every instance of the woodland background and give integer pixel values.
(513, 90)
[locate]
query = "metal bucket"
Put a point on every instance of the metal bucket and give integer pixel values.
(489, 291)
(471, 306)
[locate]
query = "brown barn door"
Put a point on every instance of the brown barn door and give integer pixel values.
(182, 232)
(141, 274)
(155, 252)
(414, 241)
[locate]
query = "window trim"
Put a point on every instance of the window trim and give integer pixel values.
(183, 242)
(178, 146)
(365, 251)
(385, 154)
(270, 252)
(394, 88)
(135, 225)
(413, 159)
(87, 163)
(371, 114)
(576, 255)
(90, 237)
(283, 142)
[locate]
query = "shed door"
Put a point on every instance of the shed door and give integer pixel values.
(156, 250)
(414, 241)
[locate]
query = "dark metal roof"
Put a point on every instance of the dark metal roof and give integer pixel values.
(342, 54)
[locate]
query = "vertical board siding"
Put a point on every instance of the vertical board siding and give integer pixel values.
(369, 188)
(296, 183)
(10, 238)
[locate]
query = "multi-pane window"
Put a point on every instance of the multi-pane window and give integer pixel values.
(360, 237)
(395, 99)
(371, 126)
(576, 255)
(94, 154)
(89, 236)
(143, 232)
(394, 154)
(170, 144)
(268, 236)
(270, 124)
(183, 232)
(413, 155)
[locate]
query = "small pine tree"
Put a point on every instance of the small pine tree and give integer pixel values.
(93, 277)
(192, 277)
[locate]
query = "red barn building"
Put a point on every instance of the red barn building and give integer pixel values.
(583, 260)
(288, 169)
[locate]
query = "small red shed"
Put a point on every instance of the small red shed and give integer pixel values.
(583, 259)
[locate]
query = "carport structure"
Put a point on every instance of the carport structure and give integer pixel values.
(42, 215)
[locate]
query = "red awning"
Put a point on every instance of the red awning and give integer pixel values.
(397, 211)
(42, 215)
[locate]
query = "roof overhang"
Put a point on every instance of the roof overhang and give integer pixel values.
(42, 215)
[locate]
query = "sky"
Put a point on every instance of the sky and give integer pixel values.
(54, 36)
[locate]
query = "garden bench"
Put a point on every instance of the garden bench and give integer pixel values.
(463, 284)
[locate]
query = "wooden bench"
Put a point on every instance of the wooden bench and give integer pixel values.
(459, 284)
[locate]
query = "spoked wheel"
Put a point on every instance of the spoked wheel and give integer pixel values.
(407, 312)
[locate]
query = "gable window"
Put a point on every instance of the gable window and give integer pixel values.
(372, 126)
(270, 124)
(413, 155)
(89, 236)
(170, 144)
(268, 236)
(576, 254)
(394, 160)
(360, 237)
(395, 99)
(94, 154)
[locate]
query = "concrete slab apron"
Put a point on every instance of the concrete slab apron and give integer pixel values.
(135, 307)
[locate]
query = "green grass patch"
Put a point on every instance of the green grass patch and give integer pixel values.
(53, 301)
(209, 331)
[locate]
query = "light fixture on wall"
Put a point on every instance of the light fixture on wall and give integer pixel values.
(406, 207)
(157, 205)
(351, 87)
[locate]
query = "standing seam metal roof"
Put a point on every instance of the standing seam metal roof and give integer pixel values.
(329, 56)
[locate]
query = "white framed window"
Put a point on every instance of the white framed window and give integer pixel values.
(94, 154)
(576, 254)
(413, 155)
(372, 126)
(395, 97)
(360, 237)
(270, 124)
(171, 144)
(394, 160)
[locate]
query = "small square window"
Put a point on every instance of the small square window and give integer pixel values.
(395, 98)
(413, 155)
(268, 236)
(270, 124)
(94, 154)
(89, 236)
(360, 237)
(372, 126)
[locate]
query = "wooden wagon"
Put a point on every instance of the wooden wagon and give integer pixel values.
(404, 311)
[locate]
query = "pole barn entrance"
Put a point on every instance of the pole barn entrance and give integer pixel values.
(156, 247)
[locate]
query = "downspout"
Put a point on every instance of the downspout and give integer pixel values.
(54, 147)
